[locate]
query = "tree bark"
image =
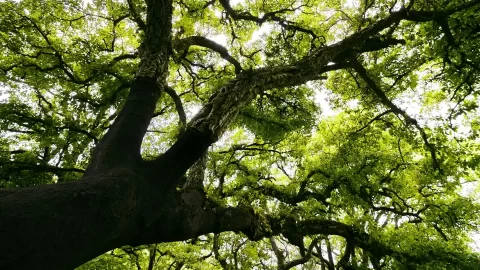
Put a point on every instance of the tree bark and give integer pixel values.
(64, 225)
(125, 200)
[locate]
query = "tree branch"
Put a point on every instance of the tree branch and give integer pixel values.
(269, 16)
(304, 258)
(121, 144)
(223, 106)
(358, 67)
(196, 175)
(136, 17)
(222, 261)
(278, 253)
(178, 105)
(183, 44)
(373, 120)
(349, 248)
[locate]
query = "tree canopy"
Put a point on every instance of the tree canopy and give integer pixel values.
(290, 134)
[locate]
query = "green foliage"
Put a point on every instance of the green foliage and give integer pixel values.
(329, 149)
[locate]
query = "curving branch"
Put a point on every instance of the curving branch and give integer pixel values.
(123, 57)
(447, 31)
(26, 120)
(325, 264)
(61, 63)
(378, 117)
(329, 227)
(224, 106)
(303, 259)
(79, 130)
(193, 10)
(57, 56)
(184, 44)
(288, 198)
(349, 252)
(132, 253)
(257, 227)
(178, 105)
(136, 16)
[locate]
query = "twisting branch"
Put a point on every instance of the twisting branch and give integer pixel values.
(182, 45)
(29, 121)
(61, 63)
(358, 67)
(448, 33)
(329, 227)
(324, 262)
(193, 10)
(79, 130)
(123, 57)
(133, 254)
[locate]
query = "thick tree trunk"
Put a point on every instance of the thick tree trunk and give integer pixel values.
(64, 225)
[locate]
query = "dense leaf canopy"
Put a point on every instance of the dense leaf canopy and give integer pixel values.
(349, 128)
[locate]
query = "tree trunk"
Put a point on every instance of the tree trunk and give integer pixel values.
(64, 225)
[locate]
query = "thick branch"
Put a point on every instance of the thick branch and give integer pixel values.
(64, 225)
(196, 175)
(222, 261)
(224, 105)
(256, 227)
(349, 248)
(120, 147)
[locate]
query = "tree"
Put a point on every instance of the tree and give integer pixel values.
(132, 97)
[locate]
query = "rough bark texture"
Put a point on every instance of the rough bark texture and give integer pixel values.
(125, 200)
